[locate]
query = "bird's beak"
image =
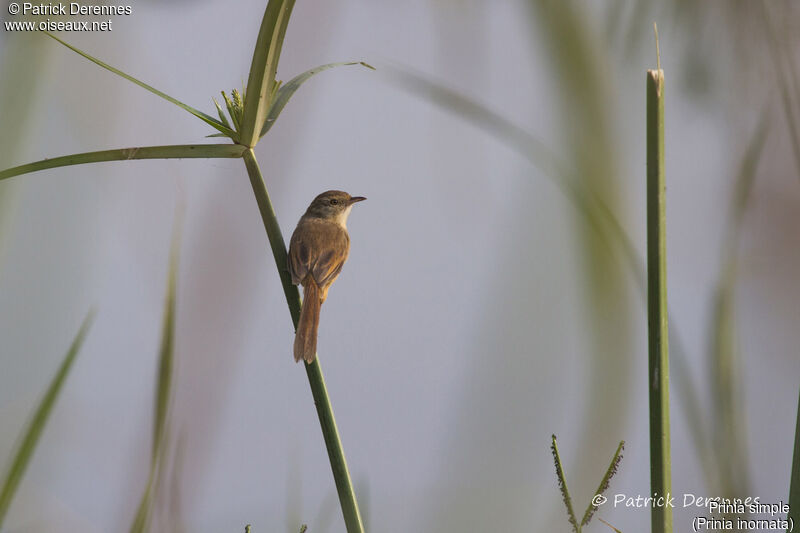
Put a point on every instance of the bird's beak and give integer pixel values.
(355, 199)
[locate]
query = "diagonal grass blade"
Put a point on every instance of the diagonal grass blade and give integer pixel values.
(163, 393)
(30, 436)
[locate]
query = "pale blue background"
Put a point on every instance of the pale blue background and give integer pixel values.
(456, 339)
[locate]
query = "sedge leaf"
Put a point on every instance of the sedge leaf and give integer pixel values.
(178, 151)
(288, 89)
(208, 119)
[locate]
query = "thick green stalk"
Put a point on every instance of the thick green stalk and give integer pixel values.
(658, 383)
(344, 486)
(123, 154)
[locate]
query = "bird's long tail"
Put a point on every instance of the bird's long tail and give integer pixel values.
(305, 340)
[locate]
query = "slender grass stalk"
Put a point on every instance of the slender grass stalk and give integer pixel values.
(141, 520)
(591, 147)
(30, 437)
(562, 486)
(782, 66)
(22, 64)
(658, 383)
(344, 485)
(598, 498)
(178, 151)
(609, 525)
(166, 357)
(604, 483)
(163, 394)
(794, 487)
(729, 416)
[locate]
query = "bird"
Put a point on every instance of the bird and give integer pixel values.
(317, 251)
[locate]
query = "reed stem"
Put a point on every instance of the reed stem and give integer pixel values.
(658, 383)
(344, 486)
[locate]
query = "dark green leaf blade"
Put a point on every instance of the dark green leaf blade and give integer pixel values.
(208, 119)
(287, 90)
(263, 68)
(36, 425)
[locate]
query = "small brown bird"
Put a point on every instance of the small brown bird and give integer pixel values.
(317, 251)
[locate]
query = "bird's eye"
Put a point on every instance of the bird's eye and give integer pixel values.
(334, 201)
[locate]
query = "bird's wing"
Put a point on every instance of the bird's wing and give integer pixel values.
(299, 258)
(318, 248)
(331, 253)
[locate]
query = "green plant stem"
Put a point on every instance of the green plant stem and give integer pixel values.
(658, 382)
(344, 486)
(261, 82)
(794, 487)
(177, 151)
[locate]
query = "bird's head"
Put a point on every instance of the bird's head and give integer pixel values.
(333, 205)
